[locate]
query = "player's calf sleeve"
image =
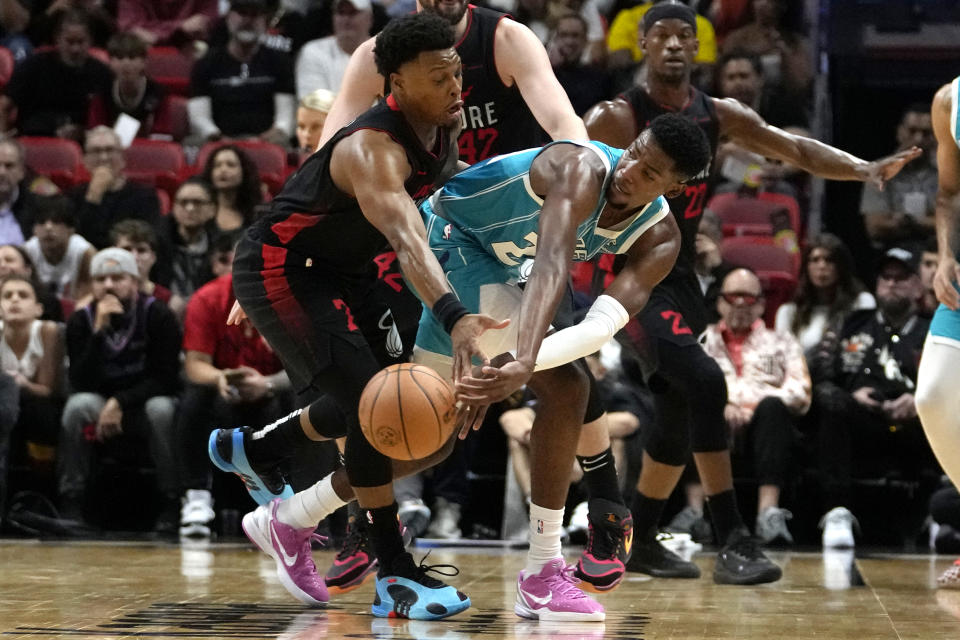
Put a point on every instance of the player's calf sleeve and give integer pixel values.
(308, 507)
(938, 403)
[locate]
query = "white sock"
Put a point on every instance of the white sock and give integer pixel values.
(308, 507)
(546, 528)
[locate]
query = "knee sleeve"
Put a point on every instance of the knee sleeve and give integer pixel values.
(668, 438)
(327, 418)
(595, 407)
(938, 403)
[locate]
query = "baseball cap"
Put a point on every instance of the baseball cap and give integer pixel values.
(907, 258)
(113, 260)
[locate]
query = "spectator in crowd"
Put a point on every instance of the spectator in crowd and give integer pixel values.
(109, 197)
(710, 266)
(18, 184)
(321, 63)
(46, 15)
(124, 350)
(740, 76)
(585, 84)
(623, 39)
(131, 92)
(61, 257)
(165, 22)
(827, 294)
(187, 237)
(243, 89)
(51, 89)
(540, 16)
(311, 114)
(14, 260)
(929, 259)
(767, 387)
(783, 50)
(236, 182)
(233, 378)
(902, 214)
(865, 395)
(139, 238)
(31, 353)
(14, 20)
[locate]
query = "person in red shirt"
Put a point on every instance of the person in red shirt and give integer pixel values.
(233, 378)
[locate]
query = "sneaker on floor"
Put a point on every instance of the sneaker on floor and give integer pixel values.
(290, 549)
(691, 521)
(415, 516)
(446, 520)
(602, 565)
(226, 450)
(654, 559)
(950, 579)
(355, 562)
(838, 525)
(196, 514)
(772, 525)
(406, 591)
(553, 594)
(741, 561)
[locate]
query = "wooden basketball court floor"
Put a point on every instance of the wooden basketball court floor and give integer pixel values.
(111, 590)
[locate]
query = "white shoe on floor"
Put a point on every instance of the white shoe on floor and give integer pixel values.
(838, 525)
(196, 514)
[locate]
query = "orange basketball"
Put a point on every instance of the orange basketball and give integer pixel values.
(407, 411)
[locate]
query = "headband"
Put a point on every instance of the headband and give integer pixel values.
(669, 11)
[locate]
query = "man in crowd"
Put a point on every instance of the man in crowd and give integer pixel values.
(321, 63)
(767, 388)
(18, 185)
(865, 395)
(124, 352)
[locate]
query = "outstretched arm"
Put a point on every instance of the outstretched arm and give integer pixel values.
(742, 125)
(948, 200)
(522, 60)
(370, 157)
(649, 261)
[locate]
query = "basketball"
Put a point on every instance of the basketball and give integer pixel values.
(407, 411)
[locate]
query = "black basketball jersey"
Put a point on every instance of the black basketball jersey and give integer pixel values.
(687, 208)
(496, 119)
(313, 218)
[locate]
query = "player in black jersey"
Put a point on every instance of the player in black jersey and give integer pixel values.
(296, 274)
(511, 96)
(666, 335)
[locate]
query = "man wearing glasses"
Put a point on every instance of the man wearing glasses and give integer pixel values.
(865, 396)
(108, 197)
(767, 388)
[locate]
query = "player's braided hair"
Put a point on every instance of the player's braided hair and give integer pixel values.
(683, 141)
(403, 39)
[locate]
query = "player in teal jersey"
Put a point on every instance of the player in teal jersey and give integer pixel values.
(567, 201)
(938, 403)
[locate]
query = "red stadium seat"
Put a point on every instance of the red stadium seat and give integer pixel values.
(179, 118)
(764, 214)
(59, 159)
(6, 66)
(156, 163)
(168, 67)
(776, 268)
(271, 160)
(164, 199)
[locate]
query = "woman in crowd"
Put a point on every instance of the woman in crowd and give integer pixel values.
(236, 181)
(827, 294)
(311, 114)
(14, 260)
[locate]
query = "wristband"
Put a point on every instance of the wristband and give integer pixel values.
(449, 310)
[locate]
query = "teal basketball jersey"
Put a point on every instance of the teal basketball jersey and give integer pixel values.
(493, 207)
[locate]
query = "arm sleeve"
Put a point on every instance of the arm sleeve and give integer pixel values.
(603, 320)
(163, 360)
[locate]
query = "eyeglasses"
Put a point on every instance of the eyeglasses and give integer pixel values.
(741, 297)
(191, 202)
